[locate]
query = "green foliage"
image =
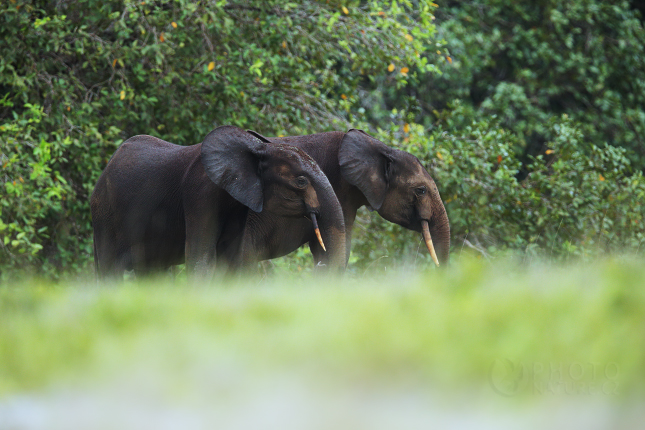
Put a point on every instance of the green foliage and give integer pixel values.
(79, 78)
(578, 199)
(443, 329)
(529, 62)
(41, 214)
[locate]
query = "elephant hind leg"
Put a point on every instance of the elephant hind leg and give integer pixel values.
(112, 267)
(110, 260)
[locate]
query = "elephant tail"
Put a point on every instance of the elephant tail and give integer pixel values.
(96, 258)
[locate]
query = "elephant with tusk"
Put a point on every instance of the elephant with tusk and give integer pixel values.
(363, 172)
(157, 204)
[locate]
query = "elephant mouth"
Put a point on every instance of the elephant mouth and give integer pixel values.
(425, 230)
(317, 230)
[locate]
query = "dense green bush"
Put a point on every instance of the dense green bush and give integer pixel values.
(43, 211)
(530, 62)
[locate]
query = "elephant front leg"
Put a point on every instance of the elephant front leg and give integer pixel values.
(200, 265)
(201, 250)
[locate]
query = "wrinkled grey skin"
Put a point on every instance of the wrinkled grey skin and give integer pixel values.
(157, 204)
(363, 172)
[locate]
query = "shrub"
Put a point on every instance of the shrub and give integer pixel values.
(530, 62)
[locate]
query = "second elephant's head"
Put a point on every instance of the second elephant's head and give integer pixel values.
(397, 186)
(276, 178)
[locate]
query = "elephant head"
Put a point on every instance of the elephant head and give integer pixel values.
(398, 187)
(276, 178)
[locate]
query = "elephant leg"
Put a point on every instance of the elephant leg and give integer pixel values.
(348, 243)
(200, 261)
(111, 259)
(201, 250)
(349, 223)
(111, 264)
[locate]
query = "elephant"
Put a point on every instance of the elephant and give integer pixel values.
(363, 172)
(158, 204)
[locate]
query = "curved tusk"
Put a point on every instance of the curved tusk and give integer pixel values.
(317, 230)
(426, 236)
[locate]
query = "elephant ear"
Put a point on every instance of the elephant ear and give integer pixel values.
(231, 158)
(365, 163)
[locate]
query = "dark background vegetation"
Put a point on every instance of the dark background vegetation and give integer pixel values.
(530, 115)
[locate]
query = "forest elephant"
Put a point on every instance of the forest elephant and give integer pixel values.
(158, 204)
(363, 172)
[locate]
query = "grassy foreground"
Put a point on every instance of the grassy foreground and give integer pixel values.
(516, 330)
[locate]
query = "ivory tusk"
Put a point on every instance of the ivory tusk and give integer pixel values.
(317, 230)
(426, 236)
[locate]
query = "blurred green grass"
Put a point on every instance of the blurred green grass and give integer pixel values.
(447, 327)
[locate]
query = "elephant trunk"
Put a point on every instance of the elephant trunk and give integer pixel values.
(440, 232)
(331, 232)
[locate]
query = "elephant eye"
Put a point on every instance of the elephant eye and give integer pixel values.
(420, 191)
(301, 182)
